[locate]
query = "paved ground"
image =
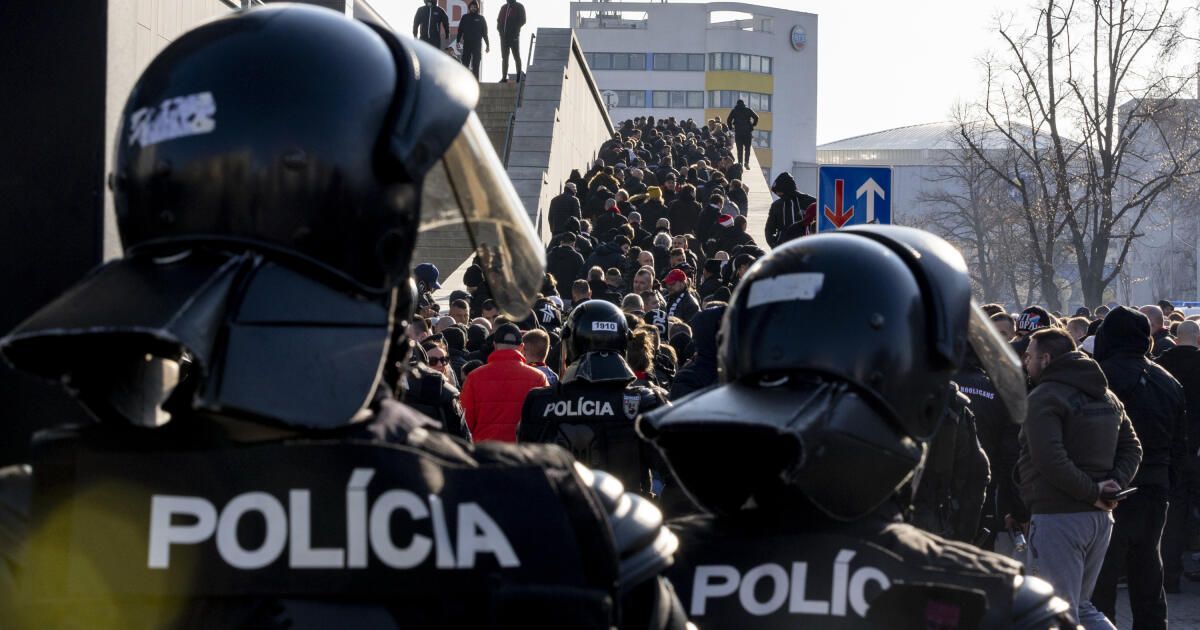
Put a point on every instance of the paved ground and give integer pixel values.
(1183, 609)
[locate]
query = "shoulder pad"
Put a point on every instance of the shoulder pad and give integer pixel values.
(1036, 606)
(645, 547)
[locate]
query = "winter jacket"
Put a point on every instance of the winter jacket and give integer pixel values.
(607, 221)
(1163, 341)
(429, 23)
(565, 264)
(742, 120)
(561, 207)
(510, 20)
(701, 371)
(790, 216)
(706, 222)
(1183, 362)
(606, 255)
(684, 306)
(652, 211)
(1152, 398)
(683, 213)
(1076, 434)
(473, 28)
(493, 395)
(726, 239)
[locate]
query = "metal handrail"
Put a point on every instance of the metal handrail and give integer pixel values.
(512, 118)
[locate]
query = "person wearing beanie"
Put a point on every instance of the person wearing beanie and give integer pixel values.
(710, 278)
(653, 208)
(1155, 403)
(1030, 320)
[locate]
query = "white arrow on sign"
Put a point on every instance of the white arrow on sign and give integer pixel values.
(871, 189)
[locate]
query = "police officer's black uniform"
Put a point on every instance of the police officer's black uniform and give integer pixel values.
(800, 450)
(247, 469)
(590, 412)
(948, 492)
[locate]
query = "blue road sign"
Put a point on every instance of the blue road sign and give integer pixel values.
(853, 195)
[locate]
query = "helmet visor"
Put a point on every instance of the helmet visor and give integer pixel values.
(468, 189)
(1000, 362)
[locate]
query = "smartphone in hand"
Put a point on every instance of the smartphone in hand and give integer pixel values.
(1117, 496)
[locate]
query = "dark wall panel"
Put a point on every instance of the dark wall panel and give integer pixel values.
(52, 90)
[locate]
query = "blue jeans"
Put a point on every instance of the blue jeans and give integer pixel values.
(1067, 550)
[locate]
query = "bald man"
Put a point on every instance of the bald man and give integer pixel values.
(1183, 362)
(1160, 334)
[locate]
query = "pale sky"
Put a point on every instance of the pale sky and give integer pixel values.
(882, 63)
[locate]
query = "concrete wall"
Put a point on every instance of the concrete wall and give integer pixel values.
(561, 123)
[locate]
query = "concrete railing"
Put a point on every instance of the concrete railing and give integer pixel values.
(560, 125)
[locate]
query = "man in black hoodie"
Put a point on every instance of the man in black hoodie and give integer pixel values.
(429, 23)
(792, 215)
(743, 120)
(472, 30)
(509, 23)
(1155, 403)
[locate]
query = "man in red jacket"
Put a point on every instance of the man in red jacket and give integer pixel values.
(493, 394)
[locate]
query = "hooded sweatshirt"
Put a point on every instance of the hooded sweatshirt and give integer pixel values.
(1153, 399)
(1076, 434)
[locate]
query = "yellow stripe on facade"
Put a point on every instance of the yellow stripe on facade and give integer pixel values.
(742, 81)
(765, 119)
(764, 157)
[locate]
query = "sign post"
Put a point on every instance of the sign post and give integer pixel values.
(853, 195)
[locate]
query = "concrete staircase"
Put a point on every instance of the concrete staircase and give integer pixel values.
(496, 105)
(448, 246)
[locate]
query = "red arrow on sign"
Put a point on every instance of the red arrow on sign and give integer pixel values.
(839, 218)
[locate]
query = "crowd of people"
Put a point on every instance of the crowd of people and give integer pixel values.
(660, 243)
(284, 434)
(668, 247)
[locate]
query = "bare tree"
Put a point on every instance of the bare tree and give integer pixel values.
(1099, 70)
(969, 205)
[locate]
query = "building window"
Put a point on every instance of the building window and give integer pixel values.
(762, 139)
(728, 98)
(631, 98)
(679, 99)
(616, 61)
(739, 62)
(679, 61)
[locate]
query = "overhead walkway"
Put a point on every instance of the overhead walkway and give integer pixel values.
(541, 130)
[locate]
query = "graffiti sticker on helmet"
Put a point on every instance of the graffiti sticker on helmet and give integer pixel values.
(176, 117)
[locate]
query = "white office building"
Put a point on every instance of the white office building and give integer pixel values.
(695, 61)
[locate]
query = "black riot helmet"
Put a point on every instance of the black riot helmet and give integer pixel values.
(595, 338)
(835, 360)
(274, 170)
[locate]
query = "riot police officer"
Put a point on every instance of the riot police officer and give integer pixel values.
(591, 410)
(248, 468)
(798, 452)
